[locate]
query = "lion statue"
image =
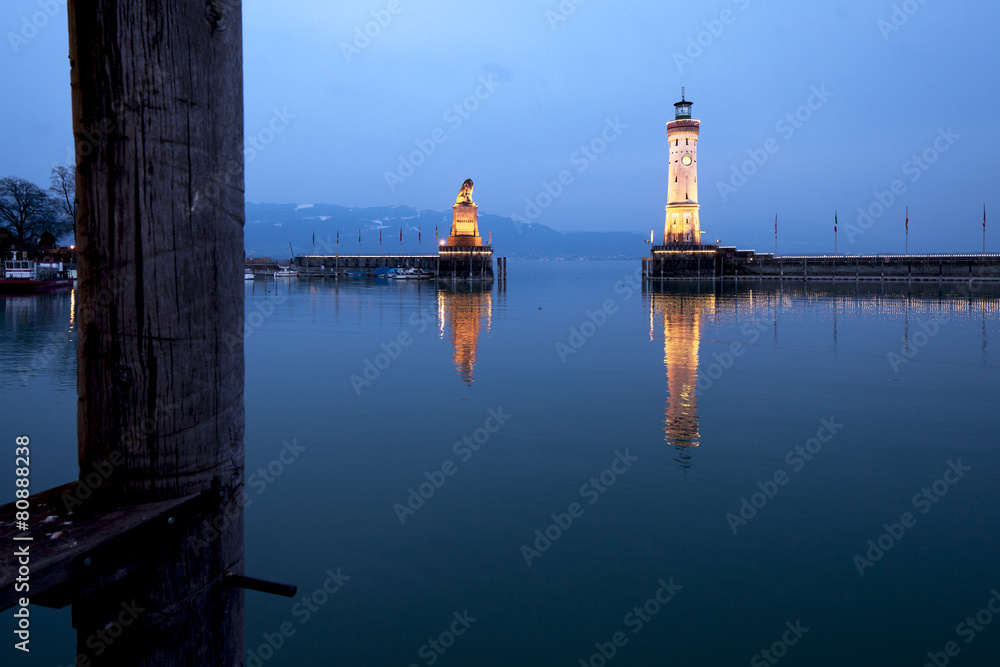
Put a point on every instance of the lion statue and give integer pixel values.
(465, 194)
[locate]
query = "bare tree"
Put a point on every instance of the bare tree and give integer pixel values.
(63, 191)
(26, 210)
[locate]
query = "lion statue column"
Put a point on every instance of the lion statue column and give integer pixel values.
(465, 219)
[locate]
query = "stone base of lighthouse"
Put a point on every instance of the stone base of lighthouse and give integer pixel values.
(682, 225)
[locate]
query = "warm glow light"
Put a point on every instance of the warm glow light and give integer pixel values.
(683, 252)
(681, 318)
(462, 313)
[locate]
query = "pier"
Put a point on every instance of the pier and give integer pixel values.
(712, 261)
(472, 263)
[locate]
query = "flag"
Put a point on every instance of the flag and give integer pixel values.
(419, 234)
(435, 233)
(907, 218)
(338, 237)
(380, 235)
(400, 234)
(984, 217)
(314, 237)
(834, 222)
(776, 223)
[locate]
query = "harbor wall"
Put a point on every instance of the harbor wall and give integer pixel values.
(461, 265)
(701, 262)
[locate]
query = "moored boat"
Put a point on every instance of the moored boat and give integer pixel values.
(413, 273)
(26, 276)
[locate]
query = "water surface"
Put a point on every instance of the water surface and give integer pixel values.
(432, 429)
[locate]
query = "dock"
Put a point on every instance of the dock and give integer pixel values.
(668, 262)
(473, 263)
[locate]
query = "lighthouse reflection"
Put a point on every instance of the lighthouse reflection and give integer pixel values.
(680, 313)
(464, 309)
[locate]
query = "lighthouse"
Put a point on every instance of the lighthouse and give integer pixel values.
(681, 225)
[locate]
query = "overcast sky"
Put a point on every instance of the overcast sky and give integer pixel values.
(366, 94)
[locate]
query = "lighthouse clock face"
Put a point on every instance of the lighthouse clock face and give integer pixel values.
(686, 160)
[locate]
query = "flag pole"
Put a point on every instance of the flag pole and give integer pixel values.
(834, 233)
(775, 234)
(984, 229)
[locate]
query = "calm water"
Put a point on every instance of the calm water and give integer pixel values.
(730, 451)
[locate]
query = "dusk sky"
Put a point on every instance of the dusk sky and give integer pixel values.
(509, 94)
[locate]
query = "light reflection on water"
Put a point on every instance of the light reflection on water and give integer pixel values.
(654, 379)
(464, 309)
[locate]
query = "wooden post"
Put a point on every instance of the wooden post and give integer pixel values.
(158, 124)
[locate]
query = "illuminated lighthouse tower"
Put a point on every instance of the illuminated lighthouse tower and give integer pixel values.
(681, 225)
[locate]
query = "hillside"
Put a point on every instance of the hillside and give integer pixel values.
(270, 228)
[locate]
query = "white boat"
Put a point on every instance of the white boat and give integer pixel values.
(285, 272)
(247, 274)
(26, 276)
(412, 274)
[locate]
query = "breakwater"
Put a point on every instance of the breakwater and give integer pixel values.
(472, 264)
(712, 261)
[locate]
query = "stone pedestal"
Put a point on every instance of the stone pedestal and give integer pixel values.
(465, 226)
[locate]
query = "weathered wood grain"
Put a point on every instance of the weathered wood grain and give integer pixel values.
(158, 125)
(60, 539)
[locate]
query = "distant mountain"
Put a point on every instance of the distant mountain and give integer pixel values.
(270, 228)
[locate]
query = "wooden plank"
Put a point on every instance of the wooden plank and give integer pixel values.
(61, 539)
